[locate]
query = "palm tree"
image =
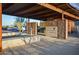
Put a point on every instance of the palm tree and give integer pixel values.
(20, 22)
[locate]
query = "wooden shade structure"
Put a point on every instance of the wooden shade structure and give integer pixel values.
(41, 11)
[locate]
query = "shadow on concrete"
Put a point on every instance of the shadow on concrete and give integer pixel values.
(74, 34)
(44, 48)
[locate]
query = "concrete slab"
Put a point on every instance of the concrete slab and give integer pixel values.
(47, 46)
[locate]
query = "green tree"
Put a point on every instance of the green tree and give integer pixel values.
(20, 22)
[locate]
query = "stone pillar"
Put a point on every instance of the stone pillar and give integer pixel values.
(63, 28)
(0, 27)
(59, 28)
(32, 28)
(51, 28)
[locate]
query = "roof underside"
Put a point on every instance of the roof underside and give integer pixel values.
(35, 11)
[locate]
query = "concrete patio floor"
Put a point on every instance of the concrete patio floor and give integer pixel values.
(47, 46)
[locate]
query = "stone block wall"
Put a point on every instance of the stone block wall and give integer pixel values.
(62, 27)
(51, 31)
(31, 28)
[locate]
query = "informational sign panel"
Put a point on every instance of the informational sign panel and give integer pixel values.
(51, 31)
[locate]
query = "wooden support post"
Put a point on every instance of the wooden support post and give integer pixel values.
(62, 15)
(71, 26)
(66, 28)
(27, 26)
(0, 27)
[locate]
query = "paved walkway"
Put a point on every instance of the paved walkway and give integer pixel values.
(47, 46)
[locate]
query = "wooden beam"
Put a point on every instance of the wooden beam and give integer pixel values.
(55, 16)
(42, 12)
(62, 16)
(69, 10)
(8, 7)
(52, 7)
(0, 27)
(49, 15)
(16, 7)
(46, 15)
(62, 5)
(36, 7)
(59, 4)
(21, 7)
(37, 13)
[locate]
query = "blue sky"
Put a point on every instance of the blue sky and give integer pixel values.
(9, 20)
(75, 5)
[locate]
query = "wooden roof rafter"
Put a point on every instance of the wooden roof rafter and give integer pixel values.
(39, 10)
(65, 7)
(20, 7)
(36, 7)
(49, 15)
(38, 13)
(7, 6)
(52, 7)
